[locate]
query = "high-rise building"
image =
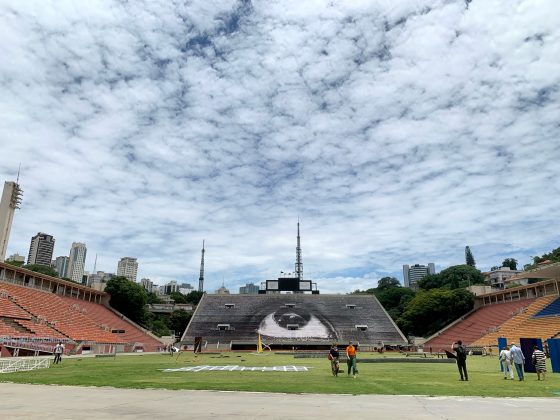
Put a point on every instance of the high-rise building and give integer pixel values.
(61, 265)
(412, 274)
(41, 249)
(147, 284)
(249, 289)
(11, 199)
(128, 267)
(77, 262)
(171, 287)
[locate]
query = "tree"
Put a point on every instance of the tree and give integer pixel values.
(454, 277)
(431, 281)
(158, 324)
(387, 283)
(194, 297)
(469, 259)
(552, 256)
(178, 297)
(391, 295)
(153, 298)
(43, 269)
(363, 292)
(128, 297)
(178, 321)
(510, 262)
(15, 263)
(431, 310)
(395, 299)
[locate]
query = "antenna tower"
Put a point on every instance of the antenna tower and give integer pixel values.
(201, 278)
(299, 264)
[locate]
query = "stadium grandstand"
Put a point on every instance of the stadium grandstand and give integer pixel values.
(37, 311)
(529, 311)
(286, 321)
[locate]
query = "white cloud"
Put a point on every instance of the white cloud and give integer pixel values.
(398, 131)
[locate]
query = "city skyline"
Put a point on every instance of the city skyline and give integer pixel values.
(397, 132)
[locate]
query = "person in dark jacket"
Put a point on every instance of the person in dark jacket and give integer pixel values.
(334, 356)
(461, 354)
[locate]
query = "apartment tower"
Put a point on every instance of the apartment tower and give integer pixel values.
(77, 262)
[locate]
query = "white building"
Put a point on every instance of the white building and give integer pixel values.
(498, 278)
(412, 274)
(41, 249)
(128, 267)
(11, 199)
(77, 261)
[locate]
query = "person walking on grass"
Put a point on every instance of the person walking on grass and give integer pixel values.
(518, 359)
(58, 350)
(505, 358)
(461, 353)
(539, 360)
(334, 356)
(351, 361)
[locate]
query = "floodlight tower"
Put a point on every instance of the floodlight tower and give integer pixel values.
(201, 278)
(299, 264)
(11, 199)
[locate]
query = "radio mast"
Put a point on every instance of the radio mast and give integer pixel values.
(201, 278)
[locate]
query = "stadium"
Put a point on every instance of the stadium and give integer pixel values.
(273, 342)
(37, 311)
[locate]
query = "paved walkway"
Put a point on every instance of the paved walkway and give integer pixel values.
(19, 401)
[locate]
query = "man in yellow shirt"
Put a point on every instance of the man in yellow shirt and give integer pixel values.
(351, 355)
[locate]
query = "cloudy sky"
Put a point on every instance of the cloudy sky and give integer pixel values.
(398, 131)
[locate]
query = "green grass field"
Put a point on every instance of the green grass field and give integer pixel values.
(142, 371)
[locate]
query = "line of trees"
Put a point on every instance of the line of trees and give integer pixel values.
(441, 298)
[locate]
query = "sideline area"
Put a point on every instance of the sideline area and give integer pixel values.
(21, 401)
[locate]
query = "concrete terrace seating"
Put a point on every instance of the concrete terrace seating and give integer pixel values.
(66, 319)
(9, 309)
(39, 330)
(476, 324)
(7, 330)
(523, 325)
(292, 318)
(106, 318)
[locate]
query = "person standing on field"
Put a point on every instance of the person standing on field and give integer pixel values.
(505, 358)
(351, 361)
(539, 360)
(58, 350)
(333, 357)
(461, 353)
(518, 360)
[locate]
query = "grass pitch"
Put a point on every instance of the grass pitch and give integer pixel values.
(143, 371)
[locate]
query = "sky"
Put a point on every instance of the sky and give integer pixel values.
(396, 131)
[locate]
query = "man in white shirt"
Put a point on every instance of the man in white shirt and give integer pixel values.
(505, 358)
(58, 350)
